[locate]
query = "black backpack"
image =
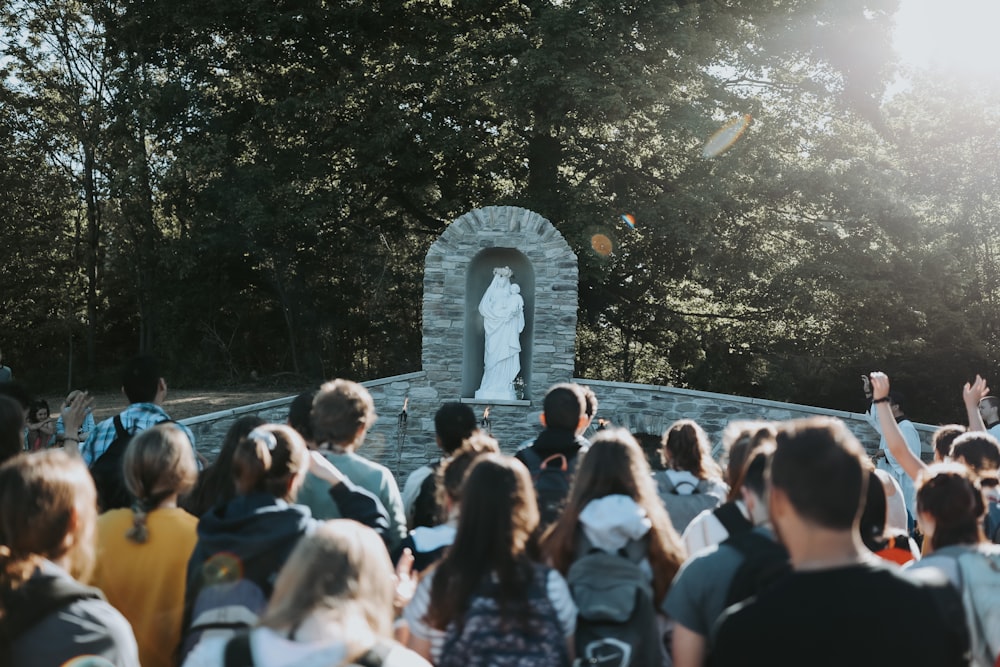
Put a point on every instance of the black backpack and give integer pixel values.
(551, 477)
(765, 561)
(109, 473)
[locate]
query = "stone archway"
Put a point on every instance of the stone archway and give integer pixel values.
(456, 272)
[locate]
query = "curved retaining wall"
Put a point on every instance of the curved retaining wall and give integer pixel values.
(403, 446)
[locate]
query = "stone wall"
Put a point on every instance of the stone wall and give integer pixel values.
(404, 446)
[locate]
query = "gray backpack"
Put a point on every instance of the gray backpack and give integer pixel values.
(616, 624)
(683, 507)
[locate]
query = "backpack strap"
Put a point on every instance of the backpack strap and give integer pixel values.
(238, 653)
(731, 518)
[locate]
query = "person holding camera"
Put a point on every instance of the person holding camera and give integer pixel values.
(884, 459)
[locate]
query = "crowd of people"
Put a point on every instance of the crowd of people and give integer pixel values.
(120, 546)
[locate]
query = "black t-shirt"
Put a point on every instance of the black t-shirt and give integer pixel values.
(855, 616)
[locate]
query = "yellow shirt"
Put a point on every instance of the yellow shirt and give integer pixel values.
(146, 582)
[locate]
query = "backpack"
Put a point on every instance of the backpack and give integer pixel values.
(33, 602)
(222, 610)
(238, 653)
(682, 508)
(979, 572)
(485, 638)
(765, 561)
(426, 511)
(108, 470)
(551, 478)
(616, 624)
(991, 523)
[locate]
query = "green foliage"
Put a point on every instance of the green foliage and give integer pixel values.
(249, 188)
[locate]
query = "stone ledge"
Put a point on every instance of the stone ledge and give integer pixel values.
(488, 402)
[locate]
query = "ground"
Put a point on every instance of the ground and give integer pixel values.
(183, 403)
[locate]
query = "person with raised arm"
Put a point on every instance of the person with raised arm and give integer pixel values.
(885, 414)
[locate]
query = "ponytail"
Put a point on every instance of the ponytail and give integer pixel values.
(158, 463)
(267, 459)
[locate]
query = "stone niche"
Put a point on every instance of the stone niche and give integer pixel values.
(459, 268)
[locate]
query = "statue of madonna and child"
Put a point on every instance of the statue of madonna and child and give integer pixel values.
(502, 309)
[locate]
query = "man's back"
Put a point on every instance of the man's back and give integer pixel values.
(858, 615)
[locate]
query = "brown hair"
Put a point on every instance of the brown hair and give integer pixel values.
(686, 447)
(215, 483)
(950, 493)
(271, 459)
(498, 515)
(340, 408)
(943, 438)
(43, 497)
(341, 570)
(158, 463)
(451, 475)
(739, 439)
(978, 449)
(615, 464)
(819, 465)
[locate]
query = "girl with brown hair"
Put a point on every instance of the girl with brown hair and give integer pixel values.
(950, 510)
(613, 506)
(146, 548)
(692, 481)
(48, 508)
(487, 598)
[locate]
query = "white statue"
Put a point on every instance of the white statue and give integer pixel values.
(502, 309)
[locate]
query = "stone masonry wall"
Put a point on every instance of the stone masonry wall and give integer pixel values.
(555, 298)
(404, 447)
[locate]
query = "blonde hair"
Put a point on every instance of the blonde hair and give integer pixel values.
(341, 571)
(157, 464)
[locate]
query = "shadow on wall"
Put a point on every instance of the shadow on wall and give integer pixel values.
(478, 278)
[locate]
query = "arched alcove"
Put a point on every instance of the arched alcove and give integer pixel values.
(459, 268)
(477, 279)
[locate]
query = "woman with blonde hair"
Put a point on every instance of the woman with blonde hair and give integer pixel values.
(332, 605)
(613, 507)
(142, 552)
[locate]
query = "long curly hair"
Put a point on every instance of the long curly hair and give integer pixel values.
(615, 464)
(686, 447)
(497, 517)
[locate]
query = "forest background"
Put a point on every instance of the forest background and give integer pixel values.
(248, 188)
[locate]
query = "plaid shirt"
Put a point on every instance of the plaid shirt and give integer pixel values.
(136, 417)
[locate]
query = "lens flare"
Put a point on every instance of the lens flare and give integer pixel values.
(723, 140)
(629, 219)
(222, 568)
(601, 244)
